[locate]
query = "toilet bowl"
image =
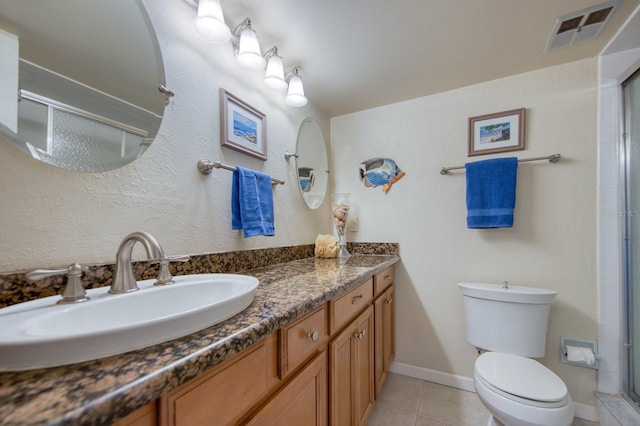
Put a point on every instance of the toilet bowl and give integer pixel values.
(510, 322)
(520, 391)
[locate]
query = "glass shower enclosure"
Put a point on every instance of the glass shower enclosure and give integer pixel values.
(631, 233)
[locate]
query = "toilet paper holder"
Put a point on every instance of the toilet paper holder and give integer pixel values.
(580, 352)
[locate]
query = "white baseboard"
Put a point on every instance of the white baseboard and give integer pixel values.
(447, 379)
(586, 411)
(582, 411)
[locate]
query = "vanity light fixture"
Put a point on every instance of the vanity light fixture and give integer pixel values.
(295, 95)
(210, 23)
(248, 50)
(274, 75)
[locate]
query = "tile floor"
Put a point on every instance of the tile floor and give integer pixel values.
(406, 401)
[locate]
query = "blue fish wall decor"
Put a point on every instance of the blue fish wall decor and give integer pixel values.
(380, 172)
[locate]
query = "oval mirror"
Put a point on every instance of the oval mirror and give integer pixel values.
(311, 163)
(88, 76)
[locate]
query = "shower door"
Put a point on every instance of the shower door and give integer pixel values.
(631, 162)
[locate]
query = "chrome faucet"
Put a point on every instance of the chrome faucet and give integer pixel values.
(124, 281)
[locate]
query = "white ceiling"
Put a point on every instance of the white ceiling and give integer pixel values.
(360, 54)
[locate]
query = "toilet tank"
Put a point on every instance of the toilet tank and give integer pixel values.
(511, 320)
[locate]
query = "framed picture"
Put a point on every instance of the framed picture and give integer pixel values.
(499, 132)
(242, 127)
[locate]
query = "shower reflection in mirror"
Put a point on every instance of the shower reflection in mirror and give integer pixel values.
(306, 178)
(88, 98)
(69, 137)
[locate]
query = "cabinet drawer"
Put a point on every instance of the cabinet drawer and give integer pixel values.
(305, 337)
(350, 304)
(228, 392)
(382, 280)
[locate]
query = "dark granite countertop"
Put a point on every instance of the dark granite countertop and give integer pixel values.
(101, 391)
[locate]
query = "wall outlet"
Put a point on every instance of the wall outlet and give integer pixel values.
(352, 225)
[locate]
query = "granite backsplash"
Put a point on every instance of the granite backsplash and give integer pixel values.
(15, 288)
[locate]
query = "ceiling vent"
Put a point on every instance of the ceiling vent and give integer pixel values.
(578, 26)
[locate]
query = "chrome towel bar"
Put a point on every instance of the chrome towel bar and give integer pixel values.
(205, 166)
(552, 159)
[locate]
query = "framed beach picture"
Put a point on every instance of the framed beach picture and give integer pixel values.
(499, 132)
(242, 127)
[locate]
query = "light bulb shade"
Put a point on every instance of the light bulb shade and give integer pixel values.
(295, 96)
(274, 75)
(249, 54)
(210, 23)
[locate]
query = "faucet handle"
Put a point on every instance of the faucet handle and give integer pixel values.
(176, 258)
(170, 259)
(74, 291)
(164, 276)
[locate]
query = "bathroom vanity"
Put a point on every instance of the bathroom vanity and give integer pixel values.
(314, 347)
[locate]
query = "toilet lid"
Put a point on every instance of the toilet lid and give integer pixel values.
(520, 376)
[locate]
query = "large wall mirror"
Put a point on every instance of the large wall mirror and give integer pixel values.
(88, 78)
(311, 163)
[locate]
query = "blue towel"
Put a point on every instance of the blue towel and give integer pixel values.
(252, 203)
(491, 192)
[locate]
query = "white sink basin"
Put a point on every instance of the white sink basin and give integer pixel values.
(40, 333)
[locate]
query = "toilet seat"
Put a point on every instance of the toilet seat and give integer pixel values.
(521, 379)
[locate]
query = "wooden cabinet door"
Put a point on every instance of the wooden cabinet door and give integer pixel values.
(351, 381)
(144, 416)
(389, 333)
(341, 376)
(384, 314)
(302, 401)
(364, 382)
(228, 392)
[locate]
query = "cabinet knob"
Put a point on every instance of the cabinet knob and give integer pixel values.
(387, 277)
(389, 300)
(313, 336)
(360, 334)
(357, 299)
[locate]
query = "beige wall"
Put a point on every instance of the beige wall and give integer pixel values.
(551, 245)
(51, 217)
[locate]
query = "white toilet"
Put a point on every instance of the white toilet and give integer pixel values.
(511, 323)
